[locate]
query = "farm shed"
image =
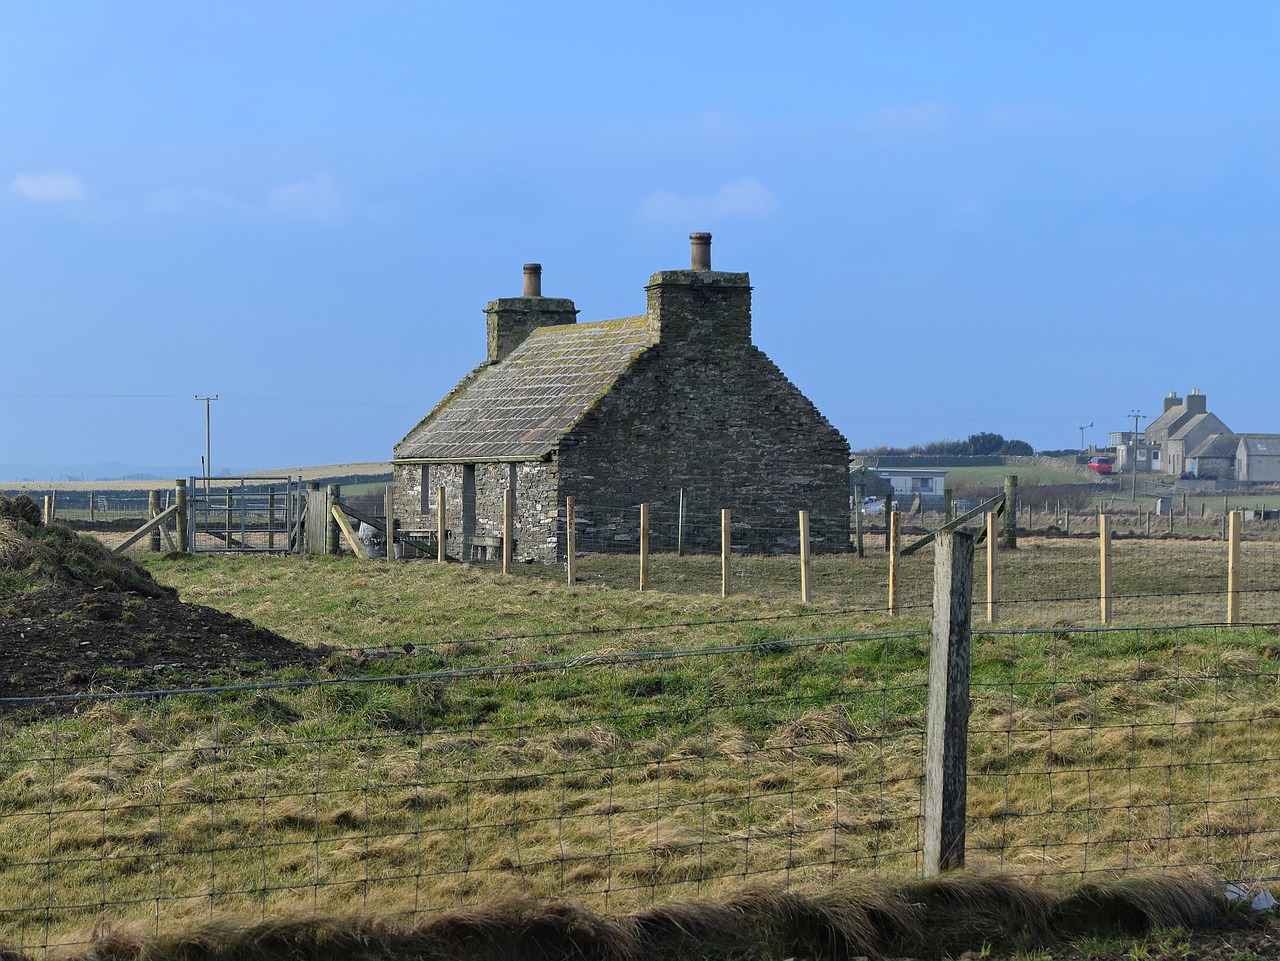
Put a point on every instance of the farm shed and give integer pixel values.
(1258, 458)
(616, 413)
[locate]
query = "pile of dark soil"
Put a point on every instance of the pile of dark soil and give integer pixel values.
(75, 617)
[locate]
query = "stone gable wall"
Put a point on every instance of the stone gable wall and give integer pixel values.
(725, 424)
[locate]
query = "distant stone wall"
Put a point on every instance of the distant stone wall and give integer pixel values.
(726, 424)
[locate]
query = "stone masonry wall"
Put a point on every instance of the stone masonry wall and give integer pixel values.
(723, 422)
(472, 521)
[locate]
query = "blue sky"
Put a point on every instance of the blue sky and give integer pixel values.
(957, 217)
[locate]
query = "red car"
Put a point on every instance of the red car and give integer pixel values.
(1101, 464)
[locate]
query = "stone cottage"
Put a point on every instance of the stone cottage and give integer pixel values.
(616, 413)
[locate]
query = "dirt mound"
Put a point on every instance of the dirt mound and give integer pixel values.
(75, 617)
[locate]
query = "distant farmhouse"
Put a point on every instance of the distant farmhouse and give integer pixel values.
(621, 412)
(1188, 440)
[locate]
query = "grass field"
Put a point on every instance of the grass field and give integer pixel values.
(487, 736)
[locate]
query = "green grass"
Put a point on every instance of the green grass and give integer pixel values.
(521, 748)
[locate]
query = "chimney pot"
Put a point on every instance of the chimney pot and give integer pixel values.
(533, 280)
(699, 251)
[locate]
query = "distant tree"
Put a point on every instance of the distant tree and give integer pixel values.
(1017, 448)
(985, 443)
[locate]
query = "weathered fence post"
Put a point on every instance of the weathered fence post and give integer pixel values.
(93, 506)
(570, 538)
(271, 518)
(644, 547)
(508, 527)
(806, 561)
(992, 537)
(947, 718)
(947, 496)
(1010, 539)
(180, 498)
(888, 509)
(1066, 522)
(229, 510)
(892, 523)
(858, 494)
(153, 508)
(390, 511)
(333, 542)
(680, 527)
(440, 528)
(726, 542)
(1104, 559)
(1233, 567)
(46, 512)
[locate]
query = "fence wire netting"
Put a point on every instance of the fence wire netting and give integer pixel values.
(619, 781)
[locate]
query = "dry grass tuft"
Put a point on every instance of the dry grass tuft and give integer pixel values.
(1135, 903)
(944, 916)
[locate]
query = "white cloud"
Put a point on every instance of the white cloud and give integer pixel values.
(906, 120)
(52, 186)
(317, 199)
(743, 198)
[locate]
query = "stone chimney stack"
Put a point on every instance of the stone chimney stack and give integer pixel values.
(710, 308)
(1197, 403)
(1173, 400)
(511, 319)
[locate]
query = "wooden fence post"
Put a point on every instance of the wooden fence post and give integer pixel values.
(508, 527)
(1233, 566)
(1104, 558)
(1010, 512)
(644, 547)
(680, 527)
(271, 518)
(888, 509)
(992, 537)
(947, 717)
(806, 561)
(153, 508)
(229, 511)
(726, 541)
(180, 498)
(859, 492)
(892, 522)
(333, 542)
(441, 532)
(390, 511)
(570, 538)
(946, 504)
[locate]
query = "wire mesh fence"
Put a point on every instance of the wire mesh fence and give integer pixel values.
(615, 781)
(619, 781)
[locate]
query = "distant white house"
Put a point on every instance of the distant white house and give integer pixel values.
(908, 482)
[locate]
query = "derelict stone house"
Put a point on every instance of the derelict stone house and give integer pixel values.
(616, 413)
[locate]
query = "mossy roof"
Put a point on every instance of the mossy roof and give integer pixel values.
(521, 407)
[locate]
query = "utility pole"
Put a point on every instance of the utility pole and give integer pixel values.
(1082, 429)
(208, 467)
(1133, 450)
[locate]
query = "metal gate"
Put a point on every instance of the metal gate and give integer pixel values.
(243, 514)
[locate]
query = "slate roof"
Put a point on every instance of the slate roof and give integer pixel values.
(520, 408)
(1197, 421)
(1217, 445)
(1267, 445)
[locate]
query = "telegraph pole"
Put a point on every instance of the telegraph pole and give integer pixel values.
(1133, 450)
(208, 467)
